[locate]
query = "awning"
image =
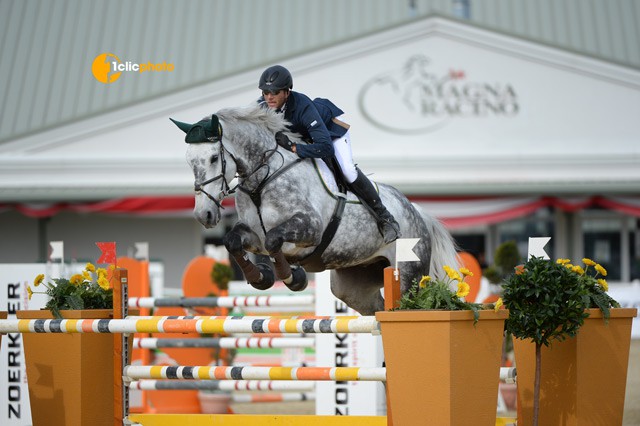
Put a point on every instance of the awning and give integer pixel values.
(455, 212)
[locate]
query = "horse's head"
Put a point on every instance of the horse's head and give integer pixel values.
(207, 156)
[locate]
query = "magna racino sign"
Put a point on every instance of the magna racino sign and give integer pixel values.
(418, 99)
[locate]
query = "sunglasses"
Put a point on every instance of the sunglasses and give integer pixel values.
(271, 92)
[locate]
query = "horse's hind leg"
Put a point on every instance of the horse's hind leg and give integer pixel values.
(359, 287)
(237, 241)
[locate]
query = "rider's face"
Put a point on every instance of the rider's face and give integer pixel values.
(275, 99)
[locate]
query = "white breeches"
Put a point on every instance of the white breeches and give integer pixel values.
(342, 151)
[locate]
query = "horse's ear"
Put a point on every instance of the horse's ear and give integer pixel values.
(203, 131)
(185, 127)
(216, 127)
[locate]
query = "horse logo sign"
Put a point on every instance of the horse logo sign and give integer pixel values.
(418, 99)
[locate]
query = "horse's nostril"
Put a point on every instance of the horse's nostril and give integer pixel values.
(209, 217)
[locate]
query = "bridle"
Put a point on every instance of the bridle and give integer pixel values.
(225, 188)
(254, 194)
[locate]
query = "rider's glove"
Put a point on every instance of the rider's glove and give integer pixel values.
(284, 141)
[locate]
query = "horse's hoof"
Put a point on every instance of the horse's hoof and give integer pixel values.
(268, 279)
(298, 279)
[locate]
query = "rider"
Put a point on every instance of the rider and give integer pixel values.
(318, 122)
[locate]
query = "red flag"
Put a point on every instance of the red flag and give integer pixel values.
(108, 253)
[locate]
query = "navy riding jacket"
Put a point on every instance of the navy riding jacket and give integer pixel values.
(312, 120)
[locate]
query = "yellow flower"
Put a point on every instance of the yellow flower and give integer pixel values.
(104, 283)
(463, 289)
(86, 275)
(600, 269)
(498, 304)
(424, 281)
(588, 262)
(568, 266)
(562, 261)
(603, 284)
(38, 280)
(90, 267)
(76, 279)
(112, 267)
(101, 272)
(466, 272)
(30, 292)
(578, 269)
(453, 274)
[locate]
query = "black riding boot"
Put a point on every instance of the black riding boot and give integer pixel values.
(366, 192)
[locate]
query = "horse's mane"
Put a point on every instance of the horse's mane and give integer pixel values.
(255, 114)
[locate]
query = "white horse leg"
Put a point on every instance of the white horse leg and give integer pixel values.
(301, 229)
(240, 240)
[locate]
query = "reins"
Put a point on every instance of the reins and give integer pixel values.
(254, 194)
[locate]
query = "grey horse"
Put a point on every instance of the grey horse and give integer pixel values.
(284, 208)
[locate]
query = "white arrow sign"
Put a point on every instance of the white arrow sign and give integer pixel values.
(142, 251)
(404, 250)
(57, 251)
(536, 247)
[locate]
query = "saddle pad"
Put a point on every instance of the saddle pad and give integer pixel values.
(329, 181)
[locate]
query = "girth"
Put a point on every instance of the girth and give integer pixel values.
(313, 261)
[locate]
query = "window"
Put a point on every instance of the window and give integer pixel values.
(541, 223)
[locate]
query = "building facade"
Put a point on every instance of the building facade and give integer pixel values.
(476, 114)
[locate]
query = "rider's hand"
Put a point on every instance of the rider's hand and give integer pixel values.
(284, 142)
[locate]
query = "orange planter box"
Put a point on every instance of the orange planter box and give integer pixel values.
(441, 368)
(70, 375)
(583, 379)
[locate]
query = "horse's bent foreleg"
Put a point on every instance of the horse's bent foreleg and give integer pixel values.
(236, 241)
(301, 230)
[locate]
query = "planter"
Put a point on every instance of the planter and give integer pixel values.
(441, 369)
(583, 379)
(70, 375)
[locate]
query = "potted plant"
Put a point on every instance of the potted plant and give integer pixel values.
(71, 375)
(572, 359)
(505, 259)
(442, 354)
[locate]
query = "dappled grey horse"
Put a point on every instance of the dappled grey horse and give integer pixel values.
(284, 209)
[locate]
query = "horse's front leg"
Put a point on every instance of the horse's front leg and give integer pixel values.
(237, 241)
(301, 229)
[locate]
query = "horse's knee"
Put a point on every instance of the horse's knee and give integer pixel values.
(273, 242)
(233, 243)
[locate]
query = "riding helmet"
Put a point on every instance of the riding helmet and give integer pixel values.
(276, 77)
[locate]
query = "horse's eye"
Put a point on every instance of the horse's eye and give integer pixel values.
(213, 158)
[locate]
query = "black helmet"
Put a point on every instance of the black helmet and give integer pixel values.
(276, 77)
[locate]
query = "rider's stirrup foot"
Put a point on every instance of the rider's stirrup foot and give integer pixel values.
(390, 231)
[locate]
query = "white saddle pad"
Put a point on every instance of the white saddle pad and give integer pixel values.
(329, 181)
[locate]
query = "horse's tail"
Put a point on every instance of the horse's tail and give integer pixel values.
(443, 247)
